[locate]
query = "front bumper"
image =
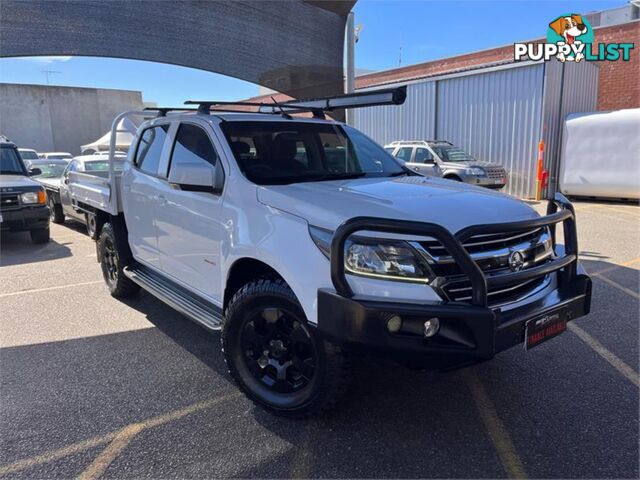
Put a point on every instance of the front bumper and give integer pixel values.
(25, 218)
(486, 181)
(468, 333)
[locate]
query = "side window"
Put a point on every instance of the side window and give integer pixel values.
(404, 154)
(71, 167)
(192, 145)
(423, 156)
(150, 149)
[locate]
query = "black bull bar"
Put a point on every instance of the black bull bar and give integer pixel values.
(559, 210)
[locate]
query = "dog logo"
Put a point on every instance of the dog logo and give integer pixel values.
(516, 261)
(570, 39)
(572, 31)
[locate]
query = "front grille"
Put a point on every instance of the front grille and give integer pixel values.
(496, 173)
(9, 202)
(491, 253)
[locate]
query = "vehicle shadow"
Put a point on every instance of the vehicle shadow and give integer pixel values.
(17, 248)
(394, 422)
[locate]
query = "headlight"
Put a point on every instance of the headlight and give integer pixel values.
(377, 258)
(33, 197)
(476, 171)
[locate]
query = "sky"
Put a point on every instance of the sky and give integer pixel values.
(394, 32)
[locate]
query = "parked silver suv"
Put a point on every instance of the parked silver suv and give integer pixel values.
(440, 158)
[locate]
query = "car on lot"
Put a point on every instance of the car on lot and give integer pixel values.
(55, 156)
(440, 158)
(23, 204)
(48, 168)
(55, 179)
(28, 154)
(304, 241)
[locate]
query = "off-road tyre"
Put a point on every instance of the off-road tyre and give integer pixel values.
(112, 265)
(41, 235)
(55, 211)
(331, 365)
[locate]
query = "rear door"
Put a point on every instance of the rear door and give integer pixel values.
(190, 231)
(141, 185)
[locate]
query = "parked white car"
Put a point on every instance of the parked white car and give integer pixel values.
(303, 241)
(55, 155)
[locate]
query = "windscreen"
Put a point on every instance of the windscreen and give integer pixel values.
(449, 153)
(28, 155)
(49, 170)
(272, 153)
(103, 166)
(10, 162)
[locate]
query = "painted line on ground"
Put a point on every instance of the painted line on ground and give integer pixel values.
(47, 289)
(497, 431)
(611, 358)
(616, 266)
(109, 454)
(111, 436)
(622, 288)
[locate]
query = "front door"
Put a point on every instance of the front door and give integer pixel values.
(190, 231)
(65, 193)
(424, 163)
(141, 186)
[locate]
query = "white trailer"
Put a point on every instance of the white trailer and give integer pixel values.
(601, 155)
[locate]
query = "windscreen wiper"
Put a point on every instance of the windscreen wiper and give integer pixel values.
(337, 176)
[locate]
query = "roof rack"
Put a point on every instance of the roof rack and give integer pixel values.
(316, 106)
(418, 142)
(162, 111)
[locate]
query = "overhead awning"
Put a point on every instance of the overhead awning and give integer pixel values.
(291, 46)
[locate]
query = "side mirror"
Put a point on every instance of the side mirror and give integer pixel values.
(196, 176)
(34, 171)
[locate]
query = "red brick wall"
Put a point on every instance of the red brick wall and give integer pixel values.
(619, 81)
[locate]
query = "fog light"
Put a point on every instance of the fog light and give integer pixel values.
(394, 324)
(431, 327)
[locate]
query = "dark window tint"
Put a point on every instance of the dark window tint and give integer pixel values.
(290, 152)
(150, 149)
(423, 155)
(192, 146)
(404, 154)
(10, 162)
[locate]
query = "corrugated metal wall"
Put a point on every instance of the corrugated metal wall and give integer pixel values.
(412, 121)
(568, 88)
(497, 114)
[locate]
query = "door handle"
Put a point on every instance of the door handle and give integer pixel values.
(161, 199)
(416, 169)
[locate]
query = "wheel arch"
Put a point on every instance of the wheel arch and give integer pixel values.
(242, 271)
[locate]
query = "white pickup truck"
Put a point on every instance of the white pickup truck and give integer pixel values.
(304, 241)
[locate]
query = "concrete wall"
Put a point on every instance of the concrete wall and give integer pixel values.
(49, 118)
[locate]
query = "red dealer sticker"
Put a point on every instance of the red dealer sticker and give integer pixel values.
(543, 328)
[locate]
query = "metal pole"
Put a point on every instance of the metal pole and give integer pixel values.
(351, 61)
(351, 44)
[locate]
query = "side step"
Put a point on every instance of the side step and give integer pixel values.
(193, 306)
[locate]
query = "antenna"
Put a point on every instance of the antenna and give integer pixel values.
(400, 57)
(48, 73)
(284, 114)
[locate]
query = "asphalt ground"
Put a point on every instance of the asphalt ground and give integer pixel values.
(93, 387)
